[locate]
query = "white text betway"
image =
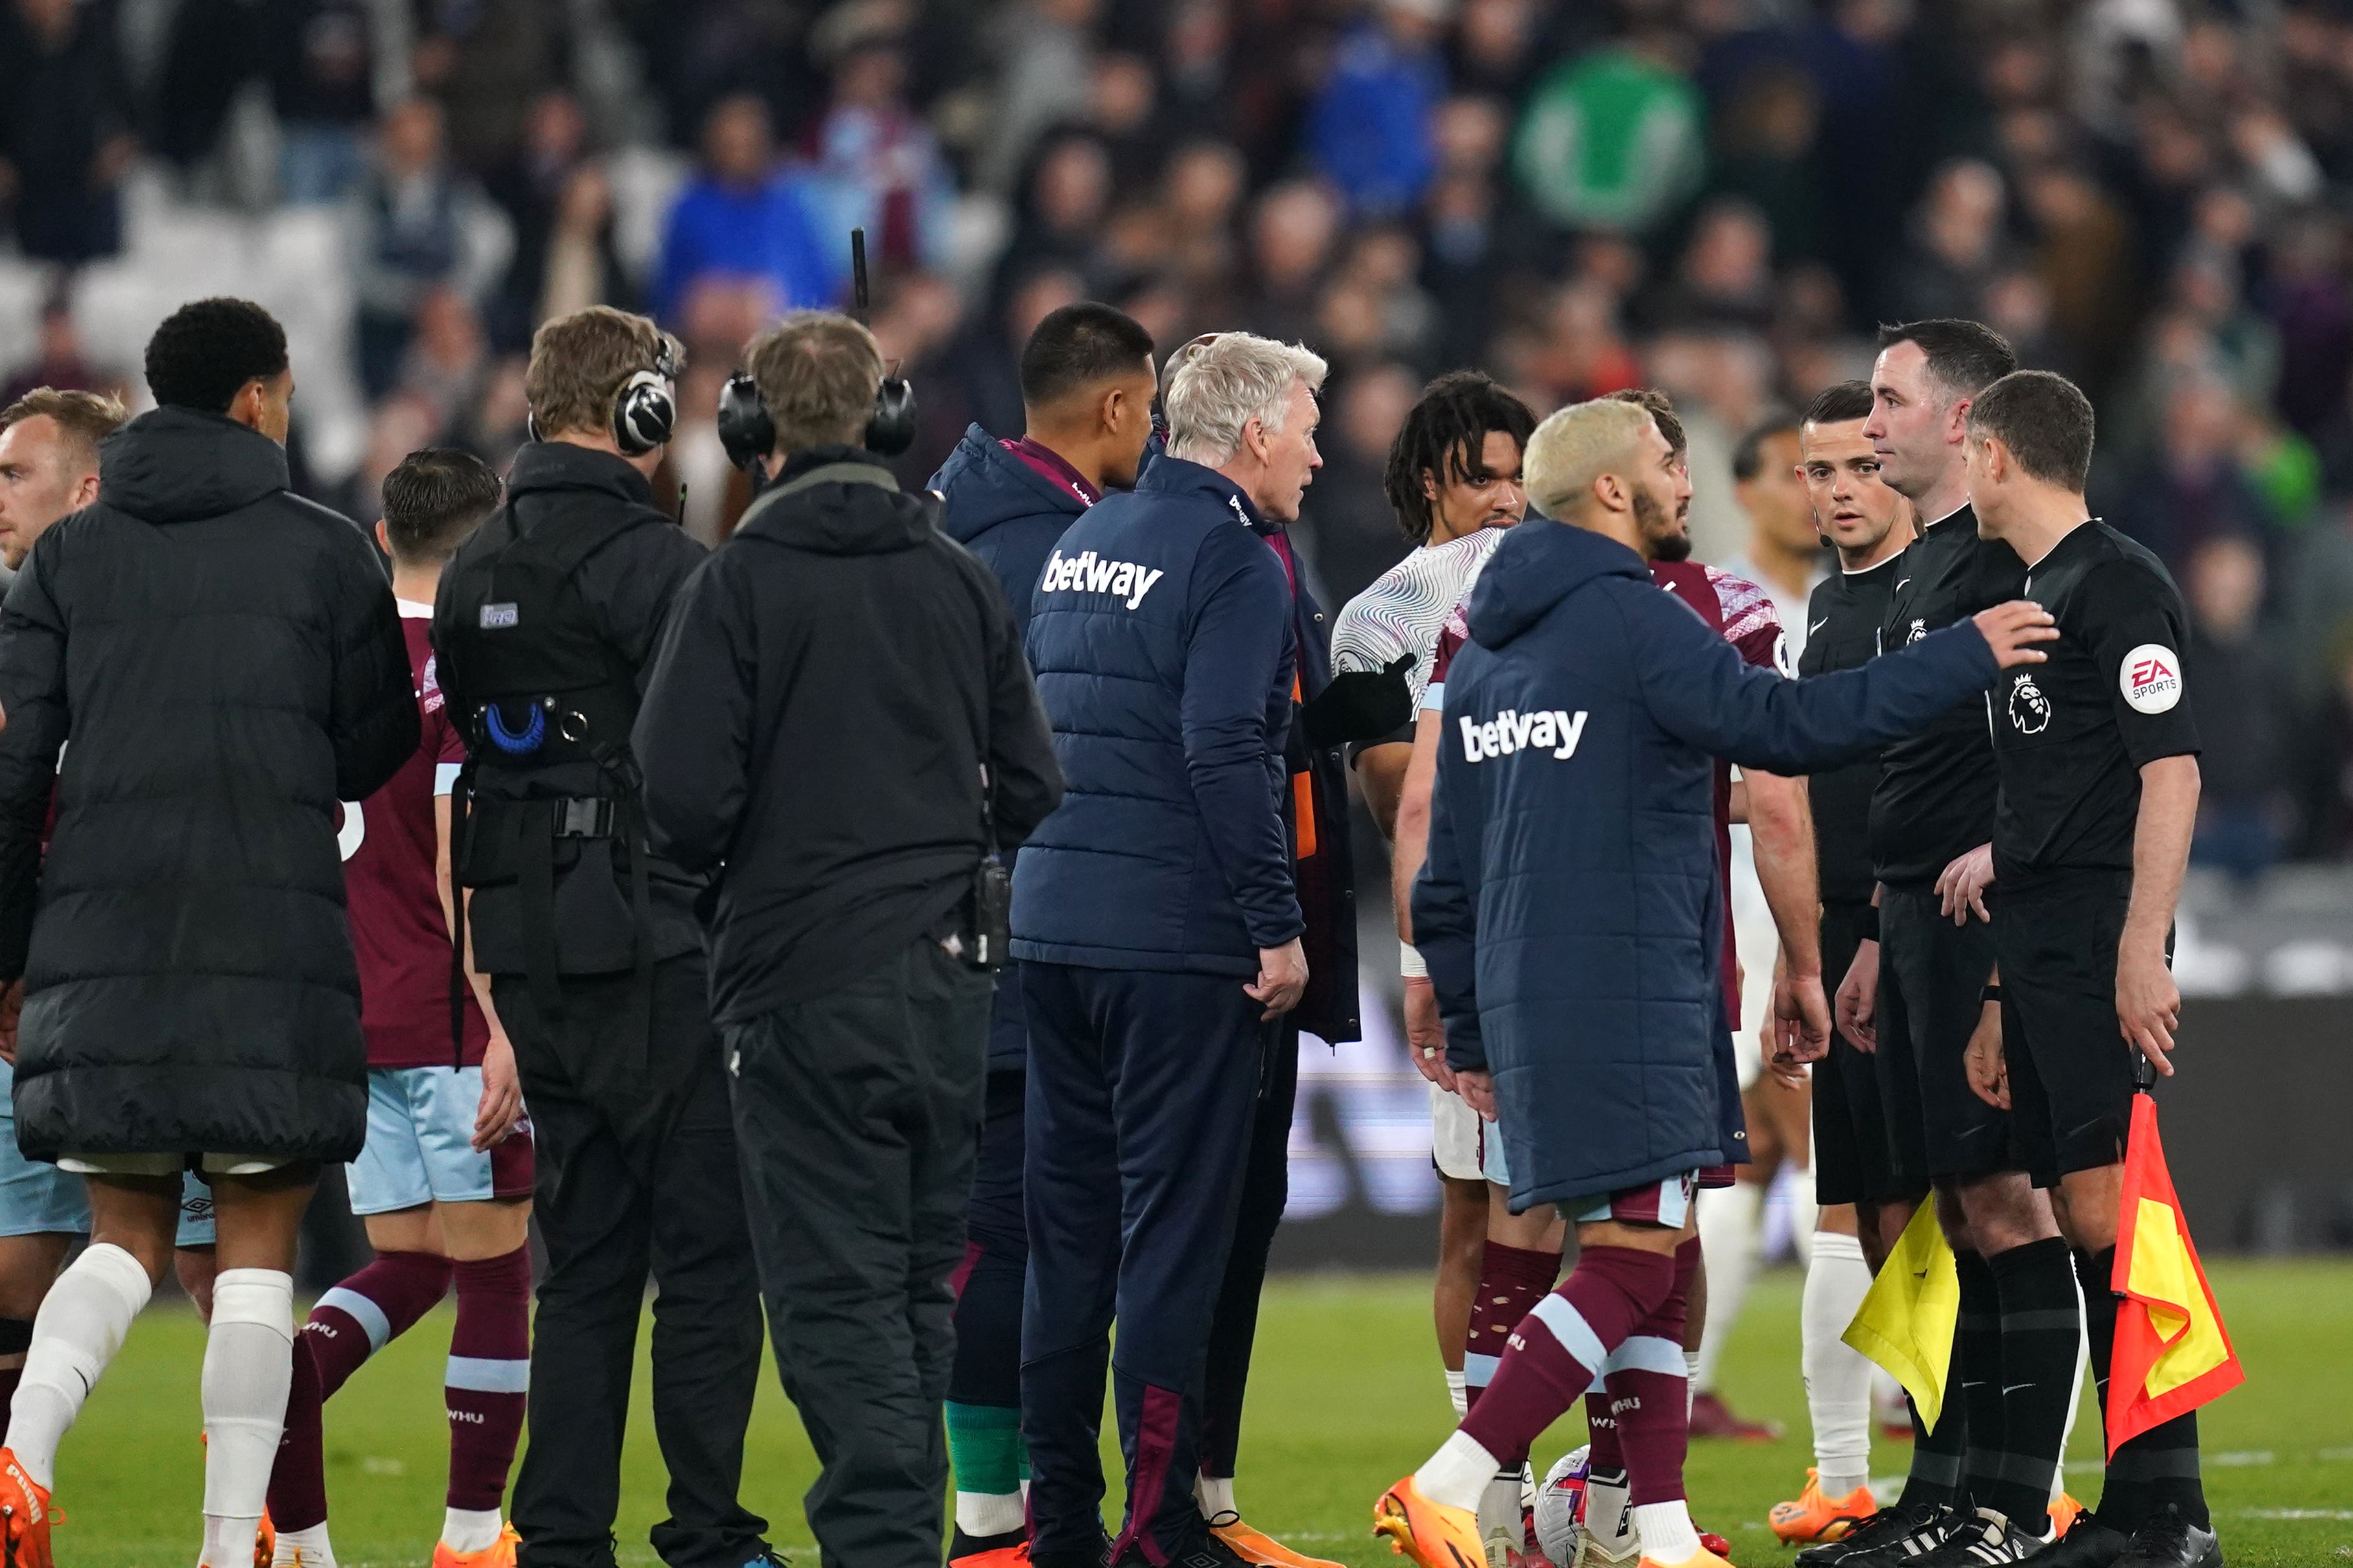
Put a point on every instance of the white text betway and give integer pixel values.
(1512, 730)
(1084, 573)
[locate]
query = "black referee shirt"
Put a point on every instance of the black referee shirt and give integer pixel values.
(1842, 621)
(2073, 734)
(1935, 795)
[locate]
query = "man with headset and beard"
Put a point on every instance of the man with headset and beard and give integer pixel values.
(841, 728)
(544, 631)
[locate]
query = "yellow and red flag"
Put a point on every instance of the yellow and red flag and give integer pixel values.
(2172, 1353)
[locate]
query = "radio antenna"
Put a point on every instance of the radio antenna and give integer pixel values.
(858, 270)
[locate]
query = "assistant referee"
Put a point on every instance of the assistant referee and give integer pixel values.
(2098, 758)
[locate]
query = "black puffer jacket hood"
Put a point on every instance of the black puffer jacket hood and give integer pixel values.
(175, 465)
(228, 661)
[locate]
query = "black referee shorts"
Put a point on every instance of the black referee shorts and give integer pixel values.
(1931, 976)
(1853, 1161)
(2070, 1071)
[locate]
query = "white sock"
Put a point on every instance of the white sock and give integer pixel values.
(1215, 1494)
(477, 1529)
(1804, 1216)
(989, 1514)
(79, 1327)
(1609, 1519)
(1838, 1376)
(1499, 1518)
(309, 1547)
(1727, 1234)
(1458, 1392)
(229, 1538)
(1690, 1381)
(248, 1366)
(1457, 1473)
(1667, 1532)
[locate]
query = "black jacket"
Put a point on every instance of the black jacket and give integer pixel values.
(629, 585)
(837, 677)
(229, 663)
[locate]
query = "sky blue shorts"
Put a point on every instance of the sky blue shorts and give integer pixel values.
(419, 1149)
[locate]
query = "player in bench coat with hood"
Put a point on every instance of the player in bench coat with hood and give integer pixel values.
(1572, 866)
(1569, 914)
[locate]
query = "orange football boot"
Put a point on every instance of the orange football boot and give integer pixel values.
(2062, 1515)
(499, 1553)
(1014, 1557)
(23, 1517)
(1816, 1518)
(1431, 1533)
(1257, 1546)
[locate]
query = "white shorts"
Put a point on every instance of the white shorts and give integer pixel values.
(1453, 1136)
(1464, 1146)
(419, 1149)
(168, 1165)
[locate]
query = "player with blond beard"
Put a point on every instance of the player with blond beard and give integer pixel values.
(1602, 706)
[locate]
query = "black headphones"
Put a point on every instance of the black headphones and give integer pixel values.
(645, 410)
(749, 433)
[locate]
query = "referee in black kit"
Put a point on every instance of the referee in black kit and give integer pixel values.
(2099, 789)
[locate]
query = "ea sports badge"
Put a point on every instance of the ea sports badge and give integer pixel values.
(2150, 678)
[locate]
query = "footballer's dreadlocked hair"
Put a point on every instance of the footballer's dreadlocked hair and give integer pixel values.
(1662, 413)
(1444, 437)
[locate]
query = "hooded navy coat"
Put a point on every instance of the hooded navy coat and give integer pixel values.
(1005, 511)
(1568, 908)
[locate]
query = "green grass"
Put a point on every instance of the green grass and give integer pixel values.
(1346, 1399)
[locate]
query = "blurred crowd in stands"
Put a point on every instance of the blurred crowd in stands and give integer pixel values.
(1719, 197)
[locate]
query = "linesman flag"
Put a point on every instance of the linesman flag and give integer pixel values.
(2172, 1353)
(1906, 1321)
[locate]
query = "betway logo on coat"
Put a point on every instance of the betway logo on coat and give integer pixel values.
(1512, 730)
(1086, 574)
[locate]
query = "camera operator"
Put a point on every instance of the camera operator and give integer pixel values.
(545, 628)
(840, 713)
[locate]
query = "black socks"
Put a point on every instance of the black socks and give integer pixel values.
(2160, 1467)
(2040, 1330)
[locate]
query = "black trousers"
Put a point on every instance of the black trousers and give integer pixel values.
(1266, 1189)
(636, 1175)
(996, 1257)
(856, 1112)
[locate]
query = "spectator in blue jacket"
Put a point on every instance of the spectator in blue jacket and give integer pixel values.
(1158, 928)
(1086, 394)
(1369, 128)
(1569, 914)
(741, 219)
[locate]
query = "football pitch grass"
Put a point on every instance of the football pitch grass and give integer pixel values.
(1345, 1398)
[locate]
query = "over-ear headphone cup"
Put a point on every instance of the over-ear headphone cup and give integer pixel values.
(891, 429)
(644, 413)
(746, 431)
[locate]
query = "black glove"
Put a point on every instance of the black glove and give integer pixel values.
(1361, 705)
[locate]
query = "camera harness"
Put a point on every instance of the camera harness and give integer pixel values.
(560, 694)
